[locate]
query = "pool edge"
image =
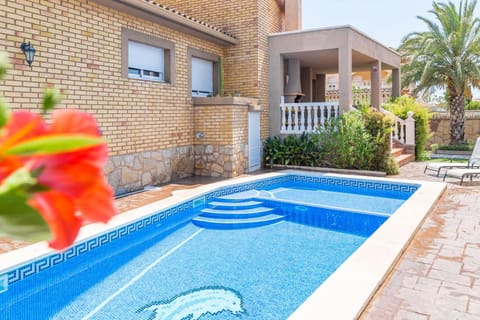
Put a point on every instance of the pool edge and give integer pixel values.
(22, 256)
(357, 280)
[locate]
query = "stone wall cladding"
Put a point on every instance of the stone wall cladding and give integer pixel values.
(245, 64)
(440, 127)
(131, 172)
(223, 149)
(220, 160)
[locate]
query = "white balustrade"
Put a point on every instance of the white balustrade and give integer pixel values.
(403, 130)
(305, 117)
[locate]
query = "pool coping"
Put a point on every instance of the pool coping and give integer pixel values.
(355, 281)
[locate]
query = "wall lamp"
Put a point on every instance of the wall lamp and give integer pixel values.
(29, 52)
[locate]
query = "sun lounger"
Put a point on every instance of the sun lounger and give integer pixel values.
(473, 162)
(438, 166)
(462, 173)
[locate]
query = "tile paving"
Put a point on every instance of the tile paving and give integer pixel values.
(437, 277)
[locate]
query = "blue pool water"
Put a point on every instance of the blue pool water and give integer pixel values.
(173, 266)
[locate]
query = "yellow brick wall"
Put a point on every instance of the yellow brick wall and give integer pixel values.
(79, 50)
(271, 21)
(233, 120)
(215, 122)
(245, 64)
(222, 148)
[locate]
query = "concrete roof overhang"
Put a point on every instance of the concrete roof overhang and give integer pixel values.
(318, 49)
(151, 10)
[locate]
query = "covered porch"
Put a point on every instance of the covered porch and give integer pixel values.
(302, 96)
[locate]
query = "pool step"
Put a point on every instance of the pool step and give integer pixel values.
(236, 212)
(219, 223)
(233, 213)
(239, 196)
(234, 205)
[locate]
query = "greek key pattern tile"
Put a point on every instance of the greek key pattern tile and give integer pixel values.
(360, 184)
(3, 283)
(34, 267)
(249, 186)
(30, 269)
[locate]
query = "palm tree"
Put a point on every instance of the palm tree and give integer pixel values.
(446, 56)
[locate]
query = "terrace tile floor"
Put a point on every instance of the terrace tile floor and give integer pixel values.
(437, 277)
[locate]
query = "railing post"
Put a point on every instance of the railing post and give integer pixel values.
(322, 114)
(309, 127)
(283, 127)
(410, 129)
(315, 115)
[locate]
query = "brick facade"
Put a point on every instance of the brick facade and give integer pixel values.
(222, 150)
(79, 49)
(245, 64)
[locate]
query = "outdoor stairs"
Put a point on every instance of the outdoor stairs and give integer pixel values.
(401, 156)
(235, 213)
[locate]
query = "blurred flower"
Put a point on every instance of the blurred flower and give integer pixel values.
(55, 171)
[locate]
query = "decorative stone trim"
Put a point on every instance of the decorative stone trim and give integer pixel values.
(440, 127)
(132, 172)
(221, 131)
(220, 161)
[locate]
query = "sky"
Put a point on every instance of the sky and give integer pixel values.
(386, 21)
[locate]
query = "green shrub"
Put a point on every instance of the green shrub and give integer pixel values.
(391, 167)
(346, 143)
(473, 105)
(379, 126)
(302, 150)
(356, 140)
(457, 147)
(400, 106)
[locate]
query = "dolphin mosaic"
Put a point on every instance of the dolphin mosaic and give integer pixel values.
(195, 303)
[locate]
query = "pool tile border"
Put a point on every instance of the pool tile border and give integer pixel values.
(362, 184)
(21, 272)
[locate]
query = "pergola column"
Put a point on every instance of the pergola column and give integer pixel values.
(345, 78)
(396, 87)
(376, 84)
(320, 88)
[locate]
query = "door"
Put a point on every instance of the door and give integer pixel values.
(254, 144)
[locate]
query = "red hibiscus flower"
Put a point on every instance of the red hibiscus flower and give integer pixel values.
(65, 159)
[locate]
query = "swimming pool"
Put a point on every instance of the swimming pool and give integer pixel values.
(165, 267)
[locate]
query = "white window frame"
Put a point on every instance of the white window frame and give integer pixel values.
(204, 65)
(162, 70)
(142, 57)
(194, 53)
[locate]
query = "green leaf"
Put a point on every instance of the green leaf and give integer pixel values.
(53, 144)
(4, 65)
(19, 220)
(51, 97)
(21, 179)
(4, 113)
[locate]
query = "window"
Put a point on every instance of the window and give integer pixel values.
(145, 61)
(147, 57)
(204, 73)
(202, 77)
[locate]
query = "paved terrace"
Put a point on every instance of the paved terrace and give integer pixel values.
(438, 276)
